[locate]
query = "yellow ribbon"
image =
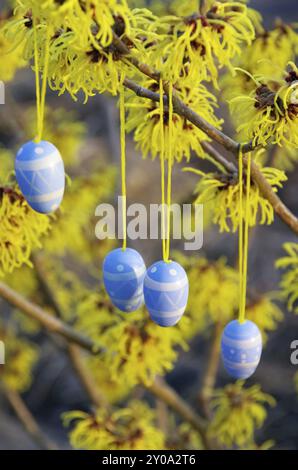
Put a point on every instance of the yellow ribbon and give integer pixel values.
(123, 163)
(243, 233)
(40, 91)
(166, 218)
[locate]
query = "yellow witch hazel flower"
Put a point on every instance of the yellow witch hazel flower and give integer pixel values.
(113, 391)
(81, 66)
(21, 356)
(238, 411)
(24, 281)
(284, 158)
(81, 33)
(289, 280)
(296, 381)
(220, 194)
(128, 340)
(194, 46)
(144, 119)
(130, 428)
(270, 112)
(21, 230)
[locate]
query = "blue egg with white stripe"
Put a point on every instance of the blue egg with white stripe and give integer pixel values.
(40, 175)
(241, 348)
(123, 277)
(166, 292)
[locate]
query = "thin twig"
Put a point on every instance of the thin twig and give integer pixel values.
(162, 390)
(183, 110)
(27, 419)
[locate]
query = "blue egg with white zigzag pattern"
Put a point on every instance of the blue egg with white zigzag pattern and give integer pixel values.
(241, 348)
(123, 276)
(166, 292)
(40, 175)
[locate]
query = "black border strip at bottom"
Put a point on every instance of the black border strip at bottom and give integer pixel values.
(138, 459)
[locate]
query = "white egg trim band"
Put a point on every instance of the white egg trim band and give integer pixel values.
(165, 286)
(135, 274)
(39, 163)
(243, 344)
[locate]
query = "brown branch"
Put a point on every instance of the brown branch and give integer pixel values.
(215, 134)
(126, 55)
(183, 110)
(51, 323)
(27, 419)
(54, 325)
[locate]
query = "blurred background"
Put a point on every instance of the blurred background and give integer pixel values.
(56, 387)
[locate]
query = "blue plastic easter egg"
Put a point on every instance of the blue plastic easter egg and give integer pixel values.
(123, 276)
(241, 348)
(40, 175)
(166, 292)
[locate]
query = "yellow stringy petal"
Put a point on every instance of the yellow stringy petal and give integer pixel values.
(21, 230)
(130, 428)
(238, 412)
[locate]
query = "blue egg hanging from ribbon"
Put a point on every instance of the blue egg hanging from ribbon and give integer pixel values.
(166, 292)
(123, 276)
(40, 175)
(241, 348)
